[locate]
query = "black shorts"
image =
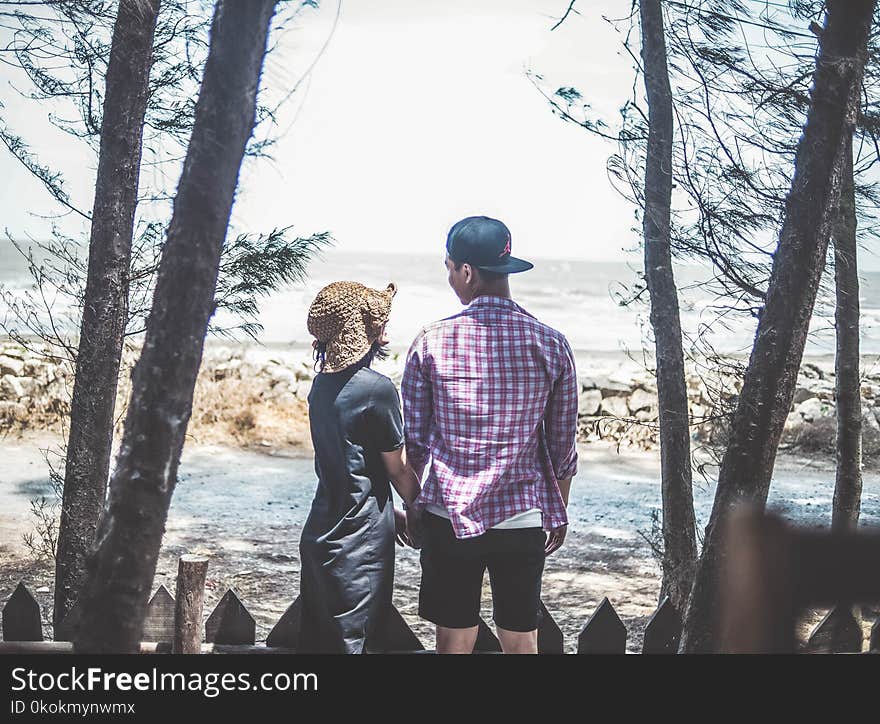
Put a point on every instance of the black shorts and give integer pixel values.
(452, 575)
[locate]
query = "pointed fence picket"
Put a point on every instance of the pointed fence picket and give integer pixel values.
(230, 627)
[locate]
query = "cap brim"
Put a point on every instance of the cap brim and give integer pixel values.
(511, 266)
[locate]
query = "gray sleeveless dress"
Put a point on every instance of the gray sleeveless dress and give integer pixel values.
(347, 544)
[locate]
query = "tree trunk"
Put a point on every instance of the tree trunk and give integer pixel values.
(679, 525)
(848, 485)
(769, 383)
(122, 566)
(105, 305)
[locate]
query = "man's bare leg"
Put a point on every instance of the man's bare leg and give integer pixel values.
(518, 642)
(456, 640)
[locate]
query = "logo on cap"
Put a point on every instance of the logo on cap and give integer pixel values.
(506, 249)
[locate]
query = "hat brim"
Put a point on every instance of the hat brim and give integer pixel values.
(512, 265)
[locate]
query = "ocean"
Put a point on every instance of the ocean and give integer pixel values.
(580, 298)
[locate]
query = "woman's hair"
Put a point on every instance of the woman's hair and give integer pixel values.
(376, 351)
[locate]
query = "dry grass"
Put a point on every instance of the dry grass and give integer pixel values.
(243, 409)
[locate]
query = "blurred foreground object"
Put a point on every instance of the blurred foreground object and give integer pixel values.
(774, 571)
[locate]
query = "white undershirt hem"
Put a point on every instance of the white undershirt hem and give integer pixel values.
(532, 518)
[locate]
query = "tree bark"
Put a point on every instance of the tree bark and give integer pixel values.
(679, 525)
(771, 375)
(105, 305)
(123, 563)
(848, 485)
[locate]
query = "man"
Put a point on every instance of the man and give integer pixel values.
(490, 401)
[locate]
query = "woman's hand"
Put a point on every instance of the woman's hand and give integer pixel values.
(400, 532)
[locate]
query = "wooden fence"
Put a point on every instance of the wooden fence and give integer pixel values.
(174, 625)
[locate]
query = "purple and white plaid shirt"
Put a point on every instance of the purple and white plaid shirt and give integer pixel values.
(490, 399)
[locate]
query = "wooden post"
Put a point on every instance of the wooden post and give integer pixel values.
(159, 623)
(230, 622)
(663, 631)
(21, 616)
(874, 642)
(604, 633)
(189, 600)
(550, 638)
(838, 633)
(487, 642)
(285, 633)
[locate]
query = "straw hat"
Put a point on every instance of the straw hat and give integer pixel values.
(348, 317)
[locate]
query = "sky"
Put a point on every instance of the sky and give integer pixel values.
(407, 117)
(415, 114)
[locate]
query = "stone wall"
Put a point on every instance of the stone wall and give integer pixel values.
(617, 403)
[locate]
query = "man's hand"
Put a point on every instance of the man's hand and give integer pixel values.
(400, 531)
(414, 527)
(555, 539)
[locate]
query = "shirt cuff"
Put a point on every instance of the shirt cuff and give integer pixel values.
(569, 471)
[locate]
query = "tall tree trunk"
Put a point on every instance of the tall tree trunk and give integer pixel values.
(122, 566)
(848, 485)
(679, 525)
(105, 305)
(769, 383)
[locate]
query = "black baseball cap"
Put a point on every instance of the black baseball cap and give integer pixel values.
(484, 243)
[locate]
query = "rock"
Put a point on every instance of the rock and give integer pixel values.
(11, 387)
(869, 420)
(812, 372)
(29, 385)
(56, 389)
(812, 409)
(611, 387)
(646, 415)
(589, 402)
(50, 372)
(824, 390)
(282, 375)
(641, 400)
(286, 399)
(614, 406)
(227, 369)
(802, 394)
(302, 390)
(11, 366)
(14, 351)
(304, 372)
(587, 383)
(793, 421)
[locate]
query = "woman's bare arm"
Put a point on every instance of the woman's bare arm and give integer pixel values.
(401, 474)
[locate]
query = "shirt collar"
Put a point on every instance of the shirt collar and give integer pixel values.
(486, 300)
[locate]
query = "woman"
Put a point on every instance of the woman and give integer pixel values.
(347, 544)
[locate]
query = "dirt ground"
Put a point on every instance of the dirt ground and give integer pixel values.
(244, 510)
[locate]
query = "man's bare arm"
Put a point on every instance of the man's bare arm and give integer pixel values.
(565, 489)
